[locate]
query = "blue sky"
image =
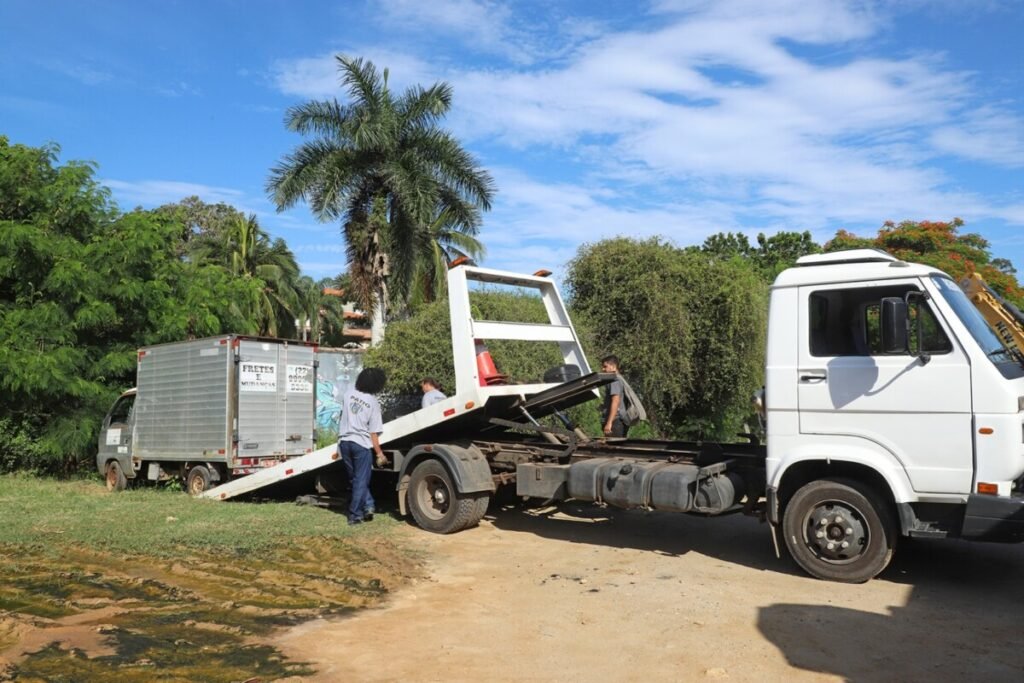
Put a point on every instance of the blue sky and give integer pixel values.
(678, 118)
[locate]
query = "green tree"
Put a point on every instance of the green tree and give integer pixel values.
(688, 327)
(247, 251)
(203, 225)
(382, 166)
(781, 250)
(770, 257)
(320, 313)
(82, 286)
(439, 243)
(726, 245)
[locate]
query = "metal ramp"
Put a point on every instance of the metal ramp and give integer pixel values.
(469, 410)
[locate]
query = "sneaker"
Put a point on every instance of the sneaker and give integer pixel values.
(368, 516)
(352, 521)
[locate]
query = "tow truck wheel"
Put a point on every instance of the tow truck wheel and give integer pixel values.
(839, 530)
(435, 503)
(115, 479)
(198, 480)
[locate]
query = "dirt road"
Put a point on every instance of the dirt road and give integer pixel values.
(596, 595)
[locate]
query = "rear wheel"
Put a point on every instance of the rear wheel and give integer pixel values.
(437, 506)
(198, 480)
(839, 530)
(115, 479)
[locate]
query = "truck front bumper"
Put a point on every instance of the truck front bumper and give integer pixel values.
(994, 518)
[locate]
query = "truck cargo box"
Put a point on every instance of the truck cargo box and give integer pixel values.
(231, 399)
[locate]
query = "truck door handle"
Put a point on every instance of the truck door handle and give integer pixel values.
(809, 377)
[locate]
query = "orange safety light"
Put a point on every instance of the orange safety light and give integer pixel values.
(988, 489)
(460, 261)
(985, 430)
(542, 273)
(469, 405)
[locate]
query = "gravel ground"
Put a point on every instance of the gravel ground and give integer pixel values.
(582, 594)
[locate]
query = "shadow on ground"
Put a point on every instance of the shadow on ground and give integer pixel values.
(960, 622)
(735, 538)
(962, 619)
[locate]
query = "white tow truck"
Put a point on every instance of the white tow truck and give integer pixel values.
(892, 410)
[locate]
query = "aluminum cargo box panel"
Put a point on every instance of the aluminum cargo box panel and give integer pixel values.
(182, 406)
(276, 399)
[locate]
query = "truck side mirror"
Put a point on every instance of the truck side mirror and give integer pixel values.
(894, 325)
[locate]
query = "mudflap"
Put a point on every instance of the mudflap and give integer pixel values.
(994, 518)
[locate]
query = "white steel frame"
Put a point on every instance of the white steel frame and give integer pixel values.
(469, 395)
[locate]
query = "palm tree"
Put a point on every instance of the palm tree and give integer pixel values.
(381, 165)
(320, 311)
(246, 250)
(439, 243)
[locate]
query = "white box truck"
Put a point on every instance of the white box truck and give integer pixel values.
(207, 410)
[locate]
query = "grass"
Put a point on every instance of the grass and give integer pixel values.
(47, 513)
(180, 589)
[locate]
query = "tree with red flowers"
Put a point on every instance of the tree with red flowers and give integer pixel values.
(941, 245)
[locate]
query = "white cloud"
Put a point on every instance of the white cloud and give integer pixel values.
(987, 135)
(476, 22)
(490, 27)
(318, 77)
(151, 193)
(179, 89)
(84, 73)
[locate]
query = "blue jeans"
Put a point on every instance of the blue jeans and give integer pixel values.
(358, 461)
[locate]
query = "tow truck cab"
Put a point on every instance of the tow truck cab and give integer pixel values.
(882, 372)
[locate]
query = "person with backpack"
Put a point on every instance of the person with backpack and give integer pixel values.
(613, 412)
(622, 407)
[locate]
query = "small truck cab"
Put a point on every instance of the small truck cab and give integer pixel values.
(892, 407)
(114, 457)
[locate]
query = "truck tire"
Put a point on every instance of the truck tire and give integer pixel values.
(824, 515)
(436, 505)
(198, 480)
(115, 479)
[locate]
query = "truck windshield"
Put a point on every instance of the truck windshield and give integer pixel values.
(976, 324)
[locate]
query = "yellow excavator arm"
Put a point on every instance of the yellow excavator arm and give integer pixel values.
(1003, 317)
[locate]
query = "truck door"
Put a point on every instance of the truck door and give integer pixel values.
(276, 400)
(920, 412)
(116, 434)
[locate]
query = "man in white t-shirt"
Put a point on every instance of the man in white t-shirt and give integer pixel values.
(431, 392)
(359, 432)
